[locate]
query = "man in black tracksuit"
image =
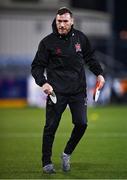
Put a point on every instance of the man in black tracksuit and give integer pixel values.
(63, 54)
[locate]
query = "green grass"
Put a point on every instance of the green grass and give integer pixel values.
(102, 152)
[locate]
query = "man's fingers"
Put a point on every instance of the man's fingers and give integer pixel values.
(46, 91)
(47, 88)
(100, 82)
(100, 85)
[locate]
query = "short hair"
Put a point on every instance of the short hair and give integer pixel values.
(64, 10)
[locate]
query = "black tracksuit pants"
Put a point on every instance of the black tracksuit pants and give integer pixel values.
(78, 108)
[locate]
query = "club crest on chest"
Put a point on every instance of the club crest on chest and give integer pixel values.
(58, 51)
(78, 47)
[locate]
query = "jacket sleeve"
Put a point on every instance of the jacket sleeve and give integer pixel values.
(39, 64)
(90, 59)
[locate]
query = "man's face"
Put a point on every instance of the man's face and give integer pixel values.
(64, 23)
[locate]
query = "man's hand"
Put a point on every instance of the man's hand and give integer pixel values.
(47, 88)
(100, 81)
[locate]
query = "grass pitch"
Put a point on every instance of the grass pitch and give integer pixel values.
(101, 154)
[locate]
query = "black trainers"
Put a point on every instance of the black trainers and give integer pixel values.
(49, 169)
(65, 158)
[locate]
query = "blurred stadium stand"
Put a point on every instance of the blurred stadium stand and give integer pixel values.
(24, 23)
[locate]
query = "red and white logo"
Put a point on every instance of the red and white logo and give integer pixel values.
(58, 51)
(78, 47)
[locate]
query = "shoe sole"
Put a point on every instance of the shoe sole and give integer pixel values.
(51, 172)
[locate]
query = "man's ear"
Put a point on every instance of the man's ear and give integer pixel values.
(72, 21)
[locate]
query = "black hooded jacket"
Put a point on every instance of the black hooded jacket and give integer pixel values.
(64, 59)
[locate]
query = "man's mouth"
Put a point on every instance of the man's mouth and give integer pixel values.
(62, 29)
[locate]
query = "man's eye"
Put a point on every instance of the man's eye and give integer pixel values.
(60, 21)
(65, 21)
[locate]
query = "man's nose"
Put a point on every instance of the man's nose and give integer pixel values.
(62, 24)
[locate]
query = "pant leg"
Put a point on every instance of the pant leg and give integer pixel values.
(53, 116)
(78, 109)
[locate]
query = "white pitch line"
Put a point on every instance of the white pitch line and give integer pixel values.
(39, 135)
(108, 134)
(20, 135)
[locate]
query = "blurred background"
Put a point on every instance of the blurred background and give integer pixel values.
(23, 23)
